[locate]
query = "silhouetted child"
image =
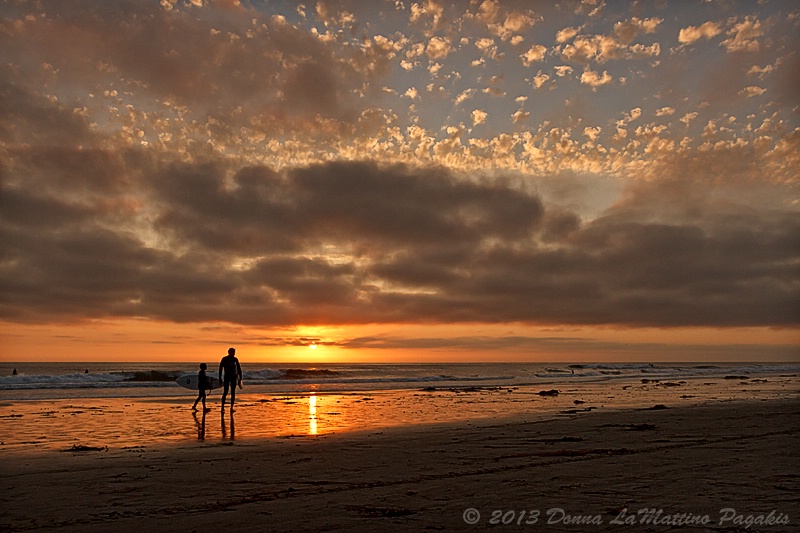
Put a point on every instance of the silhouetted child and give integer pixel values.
(202, 385)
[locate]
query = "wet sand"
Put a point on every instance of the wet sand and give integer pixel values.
(720, 455)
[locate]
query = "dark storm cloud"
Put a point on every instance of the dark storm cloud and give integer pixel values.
(245, 216)
(361, 243)
(349, 204)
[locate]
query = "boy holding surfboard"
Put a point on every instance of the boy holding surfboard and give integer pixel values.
(202, 385)
(232, 370)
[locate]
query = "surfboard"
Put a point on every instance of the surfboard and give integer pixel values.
(189, 381)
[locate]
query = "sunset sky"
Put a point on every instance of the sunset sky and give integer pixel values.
(393, 180)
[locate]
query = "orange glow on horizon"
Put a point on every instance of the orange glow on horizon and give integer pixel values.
(142, 340)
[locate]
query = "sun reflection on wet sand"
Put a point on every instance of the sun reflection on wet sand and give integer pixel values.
(312, 414)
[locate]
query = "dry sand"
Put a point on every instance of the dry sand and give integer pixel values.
(725, 460)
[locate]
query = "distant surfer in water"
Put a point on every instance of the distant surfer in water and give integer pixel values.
(232, 370)
(202, 385)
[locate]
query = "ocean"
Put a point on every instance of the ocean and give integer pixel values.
(39, 381)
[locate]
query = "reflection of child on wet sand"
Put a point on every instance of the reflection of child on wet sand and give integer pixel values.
(202, 385)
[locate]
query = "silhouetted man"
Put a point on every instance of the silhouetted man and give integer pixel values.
(230, 368)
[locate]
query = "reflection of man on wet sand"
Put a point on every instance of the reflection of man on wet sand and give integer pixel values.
(231, 369)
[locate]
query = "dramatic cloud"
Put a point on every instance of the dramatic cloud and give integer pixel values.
(427, 162)
(356, 242)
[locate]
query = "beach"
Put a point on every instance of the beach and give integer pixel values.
(644, 455)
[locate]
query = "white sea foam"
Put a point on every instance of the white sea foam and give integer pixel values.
(339, 377)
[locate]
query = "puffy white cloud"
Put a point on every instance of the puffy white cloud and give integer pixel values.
(520, 115)
(488, 10)
(590, 8)
(479, 117)
(640, 51)
(689, 117)
(563, 70)
(534, 53)
(464, 96)
(334, 13)
(690, 34)
(540, 79)
(429, 12)
(487, 46)
(743, 37)
(593, 79)
(627, 31)
(412, 93)
(752, 91)
(592, 132)
(603, 48)
(634, 114)
(438, 48)
(566, 34)
(517, 21)
(494, 91)
(761, 72)
(513, 23)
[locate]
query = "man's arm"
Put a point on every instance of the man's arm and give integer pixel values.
(220, 370)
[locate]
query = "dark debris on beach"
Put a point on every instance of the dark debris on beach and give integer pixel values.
(656, 407)
(458, 390)
(84, 448)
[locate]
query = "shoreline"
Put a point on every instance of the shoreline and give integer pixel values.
(120, 422)
(166, 421)
(697, 460)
